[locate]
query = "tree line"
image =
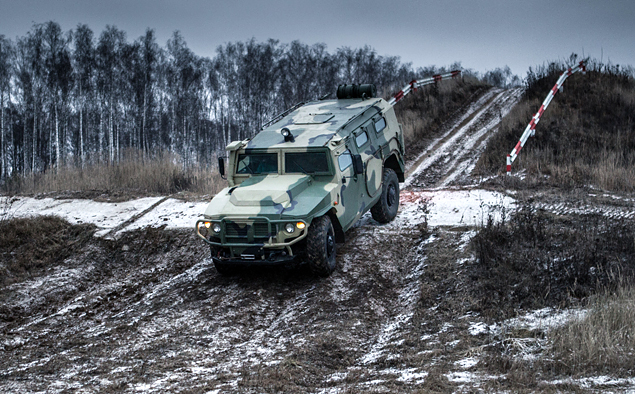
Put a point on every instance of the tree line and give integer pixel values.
(72, 98)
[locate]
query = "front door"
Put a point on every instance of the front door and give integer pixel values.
(366, 144)
(352, 191)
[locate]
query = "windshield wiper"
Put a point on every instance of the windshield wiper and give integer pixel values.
(301, 169)
(248, 169)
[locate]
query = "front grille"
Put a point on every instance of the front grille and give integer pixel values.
(233, 229)
(261, 229)
(242, 232)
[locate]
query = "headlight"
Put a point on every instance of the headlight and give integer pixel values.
(216, 228)
(300, 225)
(289, 227)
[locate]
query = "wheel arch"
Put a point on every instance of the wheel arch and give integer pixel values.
(337, 227)
(395, 164)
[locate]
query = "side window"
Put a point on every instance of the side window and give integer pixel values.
(345, 160)
(361, 139)
(380, 125)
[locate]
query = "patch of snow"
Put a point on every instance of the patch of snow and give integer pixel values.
(596, 382)
(545, 318)
(406, 375)
(453, 207)
(467, 362)
(418, 377)
(337, 376)
(466, 238)
(453, 343)
(173, 213)
(461, 377)
(105, 215)
(374, 382)
(479, 328)
(13, 342)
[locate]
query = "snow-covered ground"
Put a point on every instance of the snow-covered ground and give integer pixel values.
(441, 207)
(107, 216)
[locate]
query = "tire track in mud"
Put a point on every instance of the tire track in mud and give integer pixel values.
(452, 161)
(474, 145)
(565, 208)
(462, 119)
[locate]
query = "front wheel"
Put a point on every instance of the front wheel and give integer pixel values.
(320, 246)
(385, 209)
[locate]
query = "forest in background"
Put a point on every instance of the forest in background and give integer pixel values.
(71, 99)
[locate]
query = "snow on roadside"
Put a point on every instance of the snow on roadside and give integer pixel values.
(173, 213)
(440, 207)
(108, 215)
(105, 215)
(454, 207)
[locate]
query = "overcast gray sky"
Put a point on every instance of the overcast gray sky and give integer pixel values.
(481, 34)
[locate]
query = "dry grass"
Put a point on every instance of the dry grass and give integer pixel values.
(535, 260)
(586, 136)
(28, 246)
(602, 341)
(132, 176)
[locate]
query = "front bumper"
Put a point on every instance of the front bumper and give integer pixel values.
(251, 238)
(277, 259)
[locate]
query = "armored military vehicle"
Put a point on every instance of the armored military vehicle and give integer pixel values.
(305, 179)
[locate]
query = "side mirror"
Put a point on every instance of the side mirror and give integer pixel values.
(358, 164)
(221, 167)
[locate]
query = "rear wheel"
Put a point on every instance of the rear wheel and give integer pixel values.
(385, 209)
(320, 246)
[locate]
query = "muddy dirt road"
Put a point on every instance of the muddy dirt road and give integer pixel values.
(147, 312)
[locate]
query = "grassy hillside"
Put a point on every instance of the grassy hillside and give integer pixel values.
(585, 137)
(535, 259)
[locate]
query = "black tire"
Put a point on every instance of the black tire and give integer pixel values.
(320, 246)
(385, 209)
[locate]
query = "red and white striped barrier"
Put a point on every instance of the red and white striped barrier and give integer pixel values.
(530, 130)
(413, 85)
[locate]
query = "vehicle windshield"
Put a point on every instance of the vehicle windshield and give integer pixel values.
(306, 162)
(257, 163)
